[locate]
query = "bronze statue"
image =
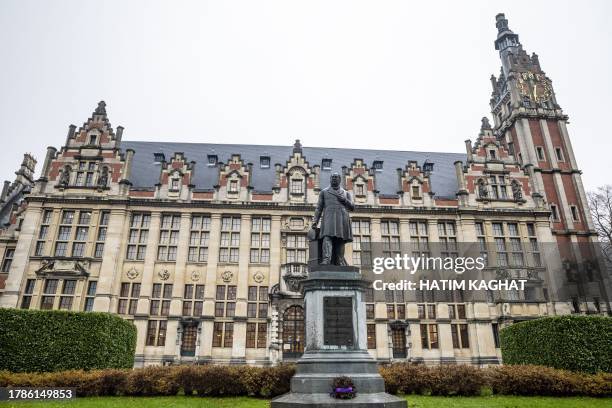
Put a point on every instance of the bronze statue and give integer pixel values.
(332, 209)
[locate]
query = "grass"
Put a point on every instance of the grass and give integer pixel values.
(414, 401)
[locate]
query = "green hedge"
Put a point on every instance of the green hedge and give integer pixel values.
(578, 343)
(39, 341)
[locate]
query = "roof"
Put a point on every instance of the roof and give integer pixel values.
(145, 171)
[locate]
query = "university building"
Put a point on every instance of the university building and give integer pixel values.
(203, 246)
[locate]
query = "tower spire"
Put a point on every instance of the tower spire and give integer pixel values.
(506, 38)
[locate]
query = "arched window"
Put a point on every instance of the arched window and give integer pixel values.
(293, 332)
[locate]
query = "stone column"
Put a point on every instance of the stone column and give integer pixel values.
(27, 237)
(239, 341)
(208, 313)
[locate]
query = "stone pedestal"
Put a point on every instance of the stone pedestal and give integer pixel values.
(336, 344)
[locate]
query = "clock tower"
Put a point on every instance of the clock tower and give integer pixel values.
(530, 122)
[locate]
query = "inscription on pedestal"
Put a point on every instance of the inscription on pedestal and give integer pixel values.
(338, 321)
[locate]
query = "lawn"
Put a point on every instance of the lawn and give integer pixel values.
(413, 402)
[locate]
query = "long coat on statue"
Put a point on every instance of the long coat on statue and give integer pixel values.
(334, 205)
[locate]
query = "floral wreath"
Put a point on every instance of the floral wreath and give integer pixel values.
(343, 388)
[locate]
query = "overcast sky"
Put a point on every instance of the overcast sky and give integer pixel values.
(378, 74)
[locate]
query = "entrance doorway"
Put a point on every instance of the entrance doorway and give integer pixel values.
(293, 332)
(398, 337)
(188, 340)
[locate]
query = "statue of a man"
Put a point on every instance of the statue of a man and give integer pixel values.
(332, 209)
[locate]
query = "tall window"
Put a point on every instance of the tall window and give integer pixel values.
(362, 250)
(516, 248)
(498, 187)
(43, 233)
(156, 332)
(448, 239)
(85, 173)
(390, 237)
(369, 301)
(495, 328)
(28, 291)
(193, 299)
(223, 334)
(128, 298)
(256, 335)
(168, 237)
(429, 336)
(198, 238)
(459, 334)
(161, 296)
(67, 295)
(101, 234)
(91, 293)
(257, 307)
(500, 244)
(82, 232)
(297, 186)
(371, 332)
(65, 232)
(482, 241)
(139, 233)
(9, 253)
(419, 237)
(534, 248)
(230, 240)
(225, 305)
(260, 240)
(49, 291)
(296, 248)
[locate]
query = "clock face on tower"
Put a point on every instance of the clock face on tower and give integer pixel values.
(536, 87)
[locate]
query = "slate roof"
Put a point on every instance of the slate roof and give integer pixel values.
(145, 171)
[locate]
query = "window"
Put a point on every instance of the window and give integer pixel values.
(326, 164)
(159, 157)
(156, 332)
(419, 237)
(257, 306)
(193, 299)
(256, 335)
(168, 237)
(212, 160)
(511, 148)
(448, 239)
(559, 153)
(390, 237)
(230, 239)
(574, 211)
(160, 296)
(101, 234)
(223, 334)
(67, 295)
(233, 186)
(492, 154)
(459, 334)
(43, 233)
(296, 248)
(359, 190)
(49, 291)
(225, 305)
(426, 311)
(65, 233)
(416, 192)
(429, 336)
(260, 240)
(198, 238)
(91, 293)
(371, 333)
(139, 233)
(264, 162)
(362, 250)
(377, 165)
(500, 244)
(175, 185)
(28, 291)
(540, 153)
(297, 186)
(554, 213)
(498, 187)
(369, 299)
(396, 307)
(482, 241)
(85, 173)
(9, 253)
(93, 139)
(495, 328)
(534, 248)
(128, 298)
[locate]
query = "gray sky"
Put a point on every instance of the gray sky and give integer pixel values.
(378, 74)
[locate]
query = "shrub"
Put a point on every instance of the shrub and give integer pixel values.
(40, 340)
(405, 378)
(152, 381)
(578, 343)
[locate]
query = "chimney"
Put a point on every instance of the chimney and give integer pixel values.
(468, 149)
(71, 130)
(51, 151)
(5, 188)
(119, 135)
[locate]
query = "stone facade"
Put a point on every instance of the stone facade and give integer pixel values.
(204, 246)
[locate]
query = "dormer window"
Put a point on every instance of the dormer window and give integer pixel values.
(428, 166)
(326, 164)
(212, 160)
(416, 192)
(233, 186)
(378, 165)
(159, 157)
(175, 184)
(297, 186)
(93, 139)
(492, 154)
(359, 190)
(264, 162)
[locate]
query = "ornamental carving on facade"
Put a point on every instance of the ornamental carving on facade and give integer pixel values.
(227, 276)
(132, 273)
(195, 276)
(258, 277)
(163, 274)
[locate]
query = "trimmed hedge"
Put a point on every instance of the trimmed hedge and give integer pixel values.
(45, 340)
(267, 382)
(578, 343)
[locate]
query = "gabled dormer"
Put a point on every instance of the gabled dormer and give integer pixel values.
(415, 184)
(296, 179)
(234, 180)
(360, 181)
(175, 180)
